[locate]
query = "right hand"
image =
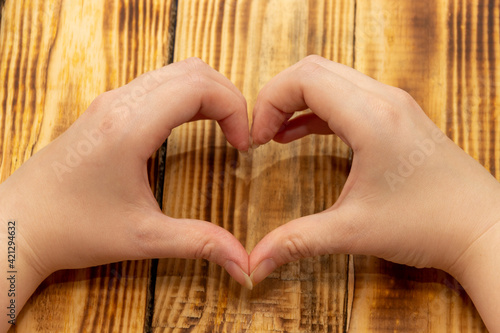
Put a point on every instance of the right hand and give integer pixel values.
(85, 199)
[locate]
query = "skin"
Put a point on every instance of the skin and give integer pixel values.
(438, 209)
(103, 210)
(412, 197)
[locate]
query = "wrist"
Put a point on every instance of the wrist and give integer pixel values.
(485, 220)
(478, 267)
(478, 271)
(15, 212)
(21, 270)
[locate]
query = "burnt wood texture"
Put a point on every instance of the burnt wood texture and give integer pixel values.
(56, 56)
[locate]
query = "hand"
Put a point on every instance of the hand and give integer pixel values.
(85, 199)
(412, 196)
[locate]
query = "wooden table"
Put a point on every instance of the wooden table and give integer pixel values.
(56, 56)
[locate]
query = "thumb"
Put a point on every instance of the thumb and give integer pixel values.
(194, 239)
(323, 233)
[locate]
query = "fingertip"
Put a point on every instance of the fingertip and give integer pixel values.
(238, 274)
(243, 146)
(262, 136)
(283, 138)
(267, 121)
(235, 128)
(263, 269)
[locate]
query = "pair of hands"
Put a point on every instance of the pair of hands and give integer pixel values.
(412, 196)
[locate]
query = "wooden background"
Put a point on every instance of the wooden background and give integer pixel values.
(56, 56)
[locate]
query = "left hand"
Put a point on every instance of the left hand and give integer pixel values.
(412, 196)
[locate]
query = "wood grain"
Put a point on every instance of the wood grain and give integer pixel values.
(57, 55)
(444, 54)
(249, 42)
(55, 58)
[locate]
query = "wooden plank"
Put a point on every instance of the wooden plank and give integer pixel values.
(2, 2)
(250, 42)
(444, 54)
(55, 58)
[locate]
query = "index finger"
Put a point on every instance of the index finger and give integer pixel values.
(149, 81)
(149, 107)
(333, 98)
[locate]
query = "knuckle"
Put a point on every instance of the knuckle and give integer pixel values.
(205, 251)
(115, 119)
(100, 102)
(211, 245)
(309, 68)
(386, 111)
(196, 80)
(313, 58)
(194, 64)
(107, 113)
(403, 96)
(193, 69)
(296, 248)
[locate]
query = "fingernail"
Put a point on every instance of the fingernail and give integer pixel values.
(238, 274)
(265, 268)
(253, 145)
